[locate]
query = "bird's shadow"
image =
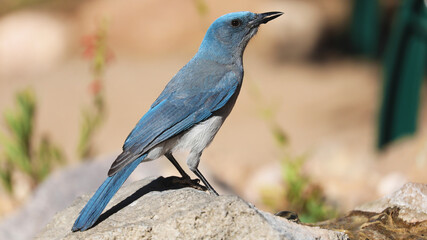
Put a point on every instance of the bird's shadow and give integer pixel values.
(158, 184)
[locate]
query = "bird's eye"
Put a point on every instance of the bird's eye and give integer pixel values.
(236, 22)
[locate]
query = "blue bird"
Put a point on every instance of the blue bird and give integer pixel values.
(189, 111)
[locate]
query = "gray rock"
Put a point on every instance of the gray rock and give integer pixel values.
(411, 198)
(58, 191)
(400, 215)
(152, 209)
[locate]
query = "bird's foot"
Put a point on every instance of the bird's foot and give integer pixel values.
(181, 182)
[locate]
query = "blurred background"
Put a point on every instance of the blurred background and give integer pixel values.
(332, 112)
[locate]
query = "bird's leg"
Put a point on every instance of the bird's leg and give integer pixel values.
(192, 163)
(185, 179)
(177, 166)
(199, 175)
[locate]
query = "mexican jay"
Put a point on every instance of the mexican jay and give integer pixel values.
(189, 111)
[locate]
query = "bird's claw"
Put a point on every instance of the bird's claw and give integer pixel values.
(188, 182)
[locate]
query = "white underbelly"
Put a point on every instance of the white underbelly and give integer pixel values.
(194, 140)
(200, 136)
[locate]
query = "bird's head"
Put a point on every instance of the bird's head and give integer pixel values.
(229, 34)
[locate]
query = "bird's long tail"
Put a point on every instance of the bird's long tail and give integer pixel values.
(102, 196)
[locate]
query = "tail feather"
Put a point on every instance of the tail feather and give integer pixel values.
(102, 196)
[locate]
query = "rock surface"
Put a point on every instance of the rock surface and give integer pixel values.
(49, 199)
(400, 215)
(411, 198)
(386, 225)
(152, 209)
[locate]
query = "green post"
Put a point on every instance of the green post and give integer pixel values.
(404, 69)
(364, 29)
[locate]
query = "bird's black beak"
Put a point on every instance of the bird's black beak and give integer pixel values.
(262, 18)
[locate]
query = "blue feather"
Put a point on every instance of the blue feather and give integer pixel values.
(175, 114)
(102, 196)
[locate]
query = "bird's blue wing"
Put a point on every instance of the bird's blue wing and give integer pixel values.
(172, 116)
